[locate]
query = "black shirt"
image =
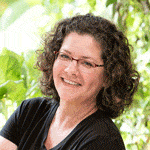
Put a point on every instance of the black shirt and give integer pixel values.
(28, 128)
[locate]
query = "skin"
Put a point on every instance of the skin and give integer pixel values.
(74, 98)
(6, 144)
(78, 46)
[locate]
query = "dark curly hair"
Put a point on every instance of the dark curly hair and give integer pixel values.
(120, 76)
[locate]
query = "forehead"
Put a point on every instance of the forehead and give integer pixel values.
(81, 44)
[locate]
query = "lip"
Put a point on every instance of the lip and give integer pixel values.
(70, 81)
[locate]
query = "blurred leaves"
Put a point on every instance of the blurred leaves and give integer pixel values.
(14, 90)
(13, 12)
(108, 2)
(19, 79)
(92, 3)
(33, 2)
(10, 66)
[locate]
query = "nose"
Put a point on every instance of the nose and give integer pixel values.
(72, 68)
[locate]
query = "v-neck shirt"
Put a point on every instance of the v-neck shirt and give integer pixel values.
(28, 128)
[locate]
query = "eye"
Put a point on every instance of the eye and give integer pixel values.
(64, 56)
(87, 64)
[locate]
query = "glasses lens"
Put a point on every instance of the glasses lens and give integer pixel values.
(64, 57)
(84, 65)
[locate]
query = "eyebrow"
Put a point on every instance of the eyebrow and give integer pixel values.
(67, 51)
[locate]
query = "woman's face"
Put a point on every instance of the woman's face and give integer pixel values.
(72, 82)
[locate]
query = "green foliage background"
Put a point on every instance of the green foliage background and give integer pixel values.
(19, 79)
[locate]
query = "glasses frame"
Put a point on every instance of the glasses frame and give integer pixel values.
(57, 52)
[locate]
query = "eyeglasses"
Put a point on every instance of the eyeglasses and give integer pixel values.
(84, 64)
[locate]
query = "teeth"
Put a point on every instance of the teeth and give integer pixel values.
(70, 82)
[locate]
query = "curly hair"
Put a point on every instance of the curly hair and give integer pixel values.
(121, 78)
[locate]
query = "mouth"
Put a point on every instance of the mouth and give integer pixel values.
(70, 82)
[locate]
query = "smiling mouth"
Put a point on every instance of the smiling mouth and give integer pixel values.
(70, 82)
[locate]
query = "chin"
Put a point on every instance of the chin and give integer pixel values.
(69, 98)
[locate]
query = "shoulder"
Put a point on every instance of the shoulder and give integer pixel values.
(36, 103)
(102, 132)
(26, 117)
(102, 124)
(35, 108)
(103, 143)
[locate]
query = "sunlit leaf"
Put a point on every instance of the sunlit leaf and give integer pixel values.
(3, 91)
(9, 1)
(3, 6)
(148, 65)
(13, 12)
(16, 91)
(148, 124)
(53, 1)
(10, 67)
(92, 3)
(61, 1)
(30, 63)
(110, 2)
(33, 2)
(146, 37)
(130, 20)
(5, 51)
(114, 9)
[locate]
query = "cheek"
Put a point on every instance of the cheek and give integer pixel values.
(56, 69)
(56, 72)
(95, 82)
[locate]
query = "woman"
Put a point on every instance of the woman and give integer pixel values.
(88, 74)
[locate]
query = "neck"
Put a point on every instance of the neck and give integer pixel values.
(69, 114)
